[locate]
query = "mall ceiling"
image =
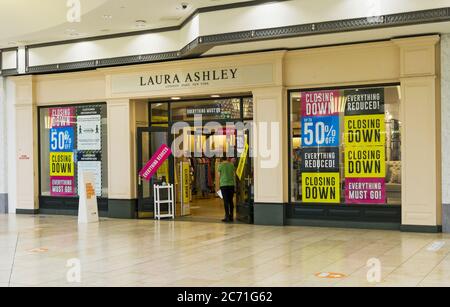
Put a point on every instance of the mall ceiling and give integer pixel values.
(25, 22)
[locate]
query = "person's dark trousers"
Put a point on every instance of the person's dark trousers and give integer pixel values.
(228, 199)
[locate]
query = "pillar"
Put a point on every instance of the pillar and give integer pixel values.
(3, 150)
(420, 113)
(121, 159)
(271, 170)
(445, 119)
(26, 147)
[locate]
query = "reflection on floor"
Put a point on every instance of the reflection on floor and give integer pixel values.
(207, 209)
(36, 250)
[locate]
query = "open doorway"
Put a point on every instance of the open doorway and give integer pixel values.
(225, 129)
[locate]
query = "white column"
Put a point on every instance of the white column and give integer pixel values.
(3, 150)
(445, 119)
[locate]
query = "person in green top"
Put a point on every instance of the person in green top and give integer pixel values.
(227, 173)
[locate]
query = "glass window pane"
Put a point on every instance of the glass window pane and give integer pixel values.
(346, 146)
(215, 109)
(73, 140)
(248, 107)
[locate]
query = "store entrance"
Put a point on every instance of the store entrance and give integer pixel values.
(198, 150)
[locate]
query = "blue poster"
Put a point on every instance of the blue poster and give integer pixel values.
(62, 139)
(320, 131)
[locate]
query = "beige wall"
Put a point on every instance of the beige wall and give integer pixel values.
(411, 62)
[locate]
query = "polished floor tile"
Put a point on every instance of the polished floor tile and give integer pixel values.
(41, 250)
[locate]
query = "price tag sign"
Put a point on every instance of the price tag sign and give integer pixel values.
(62, 139)
(320, 131)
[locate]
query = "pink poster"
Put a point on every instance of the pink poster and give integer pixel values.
(62, 117)
(62, 186)
(158, 159)
(323, 103)
(365, 191)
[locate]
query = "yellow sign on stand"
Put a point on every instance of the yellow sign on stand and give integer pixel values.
(242, 162)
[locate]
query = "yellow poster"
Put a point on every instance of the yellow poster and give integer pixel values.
(163, 171)
(365, 162)
(321, 188)
(62, 164)
(186, 183)
(242, 162)
(365, 130)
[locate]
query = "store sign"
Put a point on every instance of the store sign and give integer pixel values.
(89, 130)
(209, 110)
(158, 159)
(186, 183)
(251, 75)
(321, 188)
(323, 103)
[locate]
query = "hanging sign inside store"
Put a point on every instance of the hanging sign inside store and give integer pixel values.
(158, 159)
(365, 190)
(321, 188)
(62, 164)
(242, 162)
(186, 183)
(323, 159)
(185, 79)
(209, 110)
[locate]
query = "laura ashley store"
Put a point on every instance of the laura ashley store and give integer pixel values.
(359, 136)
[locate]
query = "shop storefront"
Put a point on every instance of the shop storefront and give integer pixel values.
(344, 136)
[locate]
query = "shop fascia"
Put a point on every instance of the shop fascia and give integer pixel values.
(190, 77)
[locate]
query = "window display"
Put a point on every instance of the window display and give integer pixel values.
(346, 146)
(73, 140)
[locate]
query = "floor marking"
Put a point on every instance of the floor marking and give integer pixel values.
(14, 260)
(331, 275)
(39, 250)
(436, 246)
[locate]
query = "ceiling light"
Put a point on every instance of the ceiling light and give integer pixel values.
(107, 17)
(176, 98)
(215, 96)
(183, 6)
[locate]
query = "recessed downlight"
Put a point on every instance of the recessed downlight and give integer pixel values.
(176, 98)
(215, 96)
(140, 23)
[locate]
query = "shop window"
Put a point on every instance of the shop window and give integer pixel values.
(159, 113)
(346, 146)
(248, 108)
(73, 139)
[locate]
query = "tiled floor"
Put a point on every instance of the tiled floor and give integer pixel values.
(35, 251)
